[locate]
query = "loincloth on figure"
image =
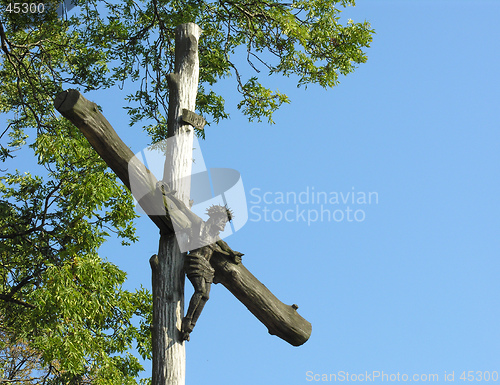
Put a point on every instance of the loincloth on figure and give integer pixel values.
(196, 265)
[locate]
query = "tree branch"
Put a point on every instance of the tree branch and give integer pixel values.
(7, 298)
(4, 41)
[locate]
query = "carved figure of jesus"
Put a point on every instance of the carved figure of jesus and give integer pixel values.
(197, 263)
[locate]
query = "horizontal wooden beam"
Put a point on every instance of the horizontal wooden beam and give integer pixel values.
(85, 115)
(281, 320)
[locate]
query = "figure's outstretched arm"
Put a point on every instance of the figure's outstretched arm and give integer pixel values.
(234, 255)
(176, 208)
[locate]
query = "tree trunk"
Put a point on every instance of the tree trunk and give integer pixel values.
(169, 357)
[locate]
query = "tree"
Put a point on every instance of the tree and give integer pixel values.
(18, 362)
(52, 224)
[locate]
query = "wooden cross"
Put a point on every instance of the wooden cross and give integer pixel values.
(281, 320)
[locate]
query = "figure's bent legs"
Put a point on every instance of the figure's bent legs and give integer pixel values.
(196, 304)
(201, 304)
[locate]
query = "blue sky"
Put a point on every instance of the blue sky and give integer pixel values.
(413, 287)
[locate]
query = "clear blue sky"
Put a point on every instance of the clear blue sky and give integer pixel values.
(412, 288)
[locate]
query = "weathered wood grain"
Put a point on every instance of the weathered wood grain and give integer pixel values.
(281, 320)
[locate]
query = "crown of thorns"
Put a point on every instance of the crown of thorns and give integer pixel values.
(218, 210)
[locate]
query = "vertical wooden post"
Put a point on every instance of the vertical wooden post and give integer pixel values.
(169, 357)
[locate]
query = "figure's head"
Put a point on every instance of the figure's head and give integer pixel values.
(219, 216)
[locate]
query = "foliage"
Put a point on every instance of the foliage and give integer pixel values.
(60, 303)
(56, 292)
(108, 43)
(83, 331)
(19, 363)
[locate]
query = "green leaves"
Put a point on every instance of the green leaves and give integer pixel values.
(303, 38)
(260, 101)
(81, 323)
(105, 44)
(55, 291)
(86, 320)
